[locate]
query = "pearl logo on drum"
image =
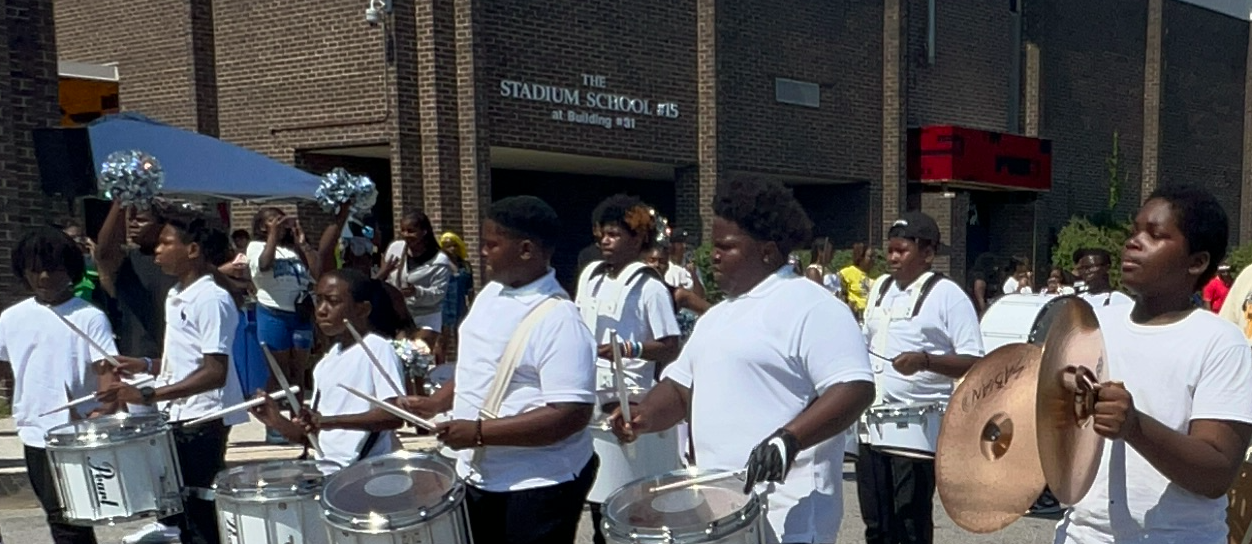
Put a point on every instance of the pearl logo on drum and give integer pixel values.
(100, 475)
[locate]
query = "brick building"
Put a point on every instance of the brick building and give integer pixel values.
(451, 104)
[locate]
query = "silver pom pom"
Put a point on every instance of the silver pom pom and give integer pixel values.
(662, 227)
(133, 178)
(339, 186)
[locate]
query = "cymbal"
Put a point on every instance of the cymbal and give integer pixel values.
(987, 465)
(1074, 363)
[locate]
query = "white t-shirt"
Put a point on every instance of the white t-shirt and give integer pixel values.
(429, 281)
(557, 366)
(753, 363)
(634, 304)
(1111, 298)
(47, 357)
(1197, 368)
(279, 286)
(946, 324)
(353, 368)
(1012, 287)
(200, 319)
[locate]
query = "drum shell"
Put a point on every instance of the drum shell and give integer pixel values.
(118, 481)
(651, 454)
(297, 518)
(852, 444)
(905, 430)
(1012, 319)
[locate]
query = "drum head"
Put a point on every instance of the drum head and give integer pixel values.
(105, 430)
(693, 510)
(392, 491)
(273, 479)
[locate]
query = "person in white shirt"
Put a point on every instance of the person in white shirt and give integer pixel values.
(1176, 410)
(417, 266)
(773, 375)
(278, 260)
(195, 376)
(622, 294)
(527, 457)
(48, 361)
(1020, 280)
(348, 429)
(926, 328)
(1091, 265)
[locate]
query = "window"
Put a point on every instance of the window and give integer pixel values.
(799, 93)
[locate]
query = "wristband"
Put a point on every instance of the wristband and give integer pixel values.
(638, 350)
(148, 361)
(927, 367)
(478, 433)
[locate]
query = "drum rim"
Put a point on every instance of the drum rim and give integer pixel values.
(150, 424)
(737, 520)
(912, 408)
(399, 521)
(257, 495)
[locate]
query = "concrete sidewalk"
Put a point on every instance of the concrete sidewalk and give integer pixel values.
(247, 443)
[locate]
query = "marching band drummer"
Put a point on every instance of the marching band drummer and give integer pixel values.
(928, 327)
(46, 359)
(778, 336)
(623, 294)
(348, 428)
(196, 376)
(1092, 267)
(530, 467)
(1177, 411)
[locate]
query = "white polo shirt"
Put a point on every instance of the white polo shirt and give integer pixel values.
(200, 319)
(47, 357)
(1197, 368)
(946, 324)
(352, 367)
(753, 364)
(557, 366)
(636, 304)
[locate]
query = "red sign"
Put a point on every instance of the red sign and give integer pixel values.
(979, 159)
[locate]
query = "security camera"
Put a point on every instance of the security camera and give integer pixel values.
(373, 16)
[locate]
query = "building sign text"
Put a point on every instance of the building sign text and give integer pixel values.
(591, 104)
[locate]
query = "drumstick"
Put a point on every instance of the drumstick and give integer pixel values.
(111, 359)
(698, 480)
(91, 397)
(246, 405)
(619, 376)
(373, 359)
(423, 423)
(291, 397)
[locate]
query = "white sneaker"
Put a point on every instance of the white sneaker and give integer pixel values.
(153, 533)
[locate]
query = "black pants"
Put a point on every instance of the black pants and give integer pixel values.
(897, 498)
(546, 515)
(39, 470)
(201, 455)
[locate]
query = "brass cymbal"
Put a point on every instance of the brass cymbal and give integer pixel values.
(1074, 362)
(987, 461)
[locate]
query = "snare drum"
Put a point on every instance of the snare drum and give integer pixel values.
(274, 501)
(1018, 318)
(651, 454)
(906, 430)
(400, 498)
(715, 512)
(115, 469)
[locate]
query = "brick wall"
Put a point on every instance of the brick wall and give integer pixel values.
(645, 50)
(28, 100)
(834, 44)
(968, 84)
(1204, 55)
(152, 44)
(1091, 76)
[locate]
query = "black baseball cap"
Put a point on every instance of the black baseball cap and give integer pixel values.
(916, 226)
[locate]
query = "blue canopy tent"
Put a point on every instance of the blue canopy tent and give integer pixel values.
(196, 164)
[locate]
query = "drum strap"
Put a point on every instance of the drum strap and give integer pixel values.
(370, 441)
(509, 360)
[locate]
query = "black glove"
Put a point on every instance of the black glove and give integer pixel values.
(772, 459)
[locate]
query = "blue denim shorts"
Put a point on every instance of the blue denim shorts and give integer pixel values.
(282, 330)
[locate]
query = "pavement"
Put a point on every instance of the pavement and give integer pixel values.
(22, 522)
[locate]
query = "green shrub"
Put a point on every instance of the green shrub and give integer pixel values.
(1240, 257)
(702, 257)
(1082, 233)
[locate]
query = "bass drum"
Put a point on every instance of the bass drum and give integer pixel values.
(1020, 319)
